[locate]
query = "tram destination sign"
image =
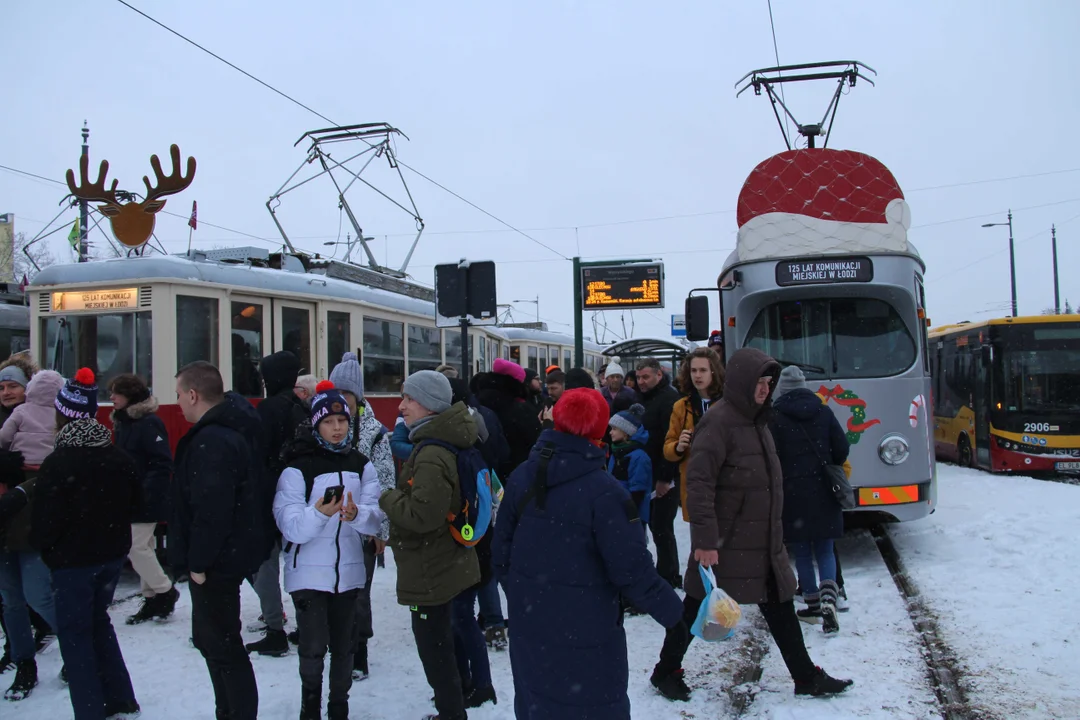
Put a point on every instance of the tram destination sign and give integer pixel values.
(110, 299)
(611, 287)
(814, 271)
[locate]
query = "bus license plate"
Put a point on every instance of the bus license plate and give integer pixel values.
(1067, 466)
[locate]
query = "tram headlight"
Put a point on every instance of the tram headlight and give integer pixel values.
(893, 449)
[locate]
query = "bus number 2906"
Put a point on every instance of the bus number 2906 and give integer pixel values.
(1037, 427)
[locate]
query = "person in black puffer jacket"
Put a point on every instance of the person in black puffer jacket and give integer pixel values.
(141, 434)
(86, 494)
(503, 390)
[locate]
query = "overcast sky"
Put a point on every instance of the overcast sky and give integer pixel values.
(609, 117)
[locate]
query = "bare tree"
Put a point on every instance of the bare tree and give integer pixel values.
(23, 266)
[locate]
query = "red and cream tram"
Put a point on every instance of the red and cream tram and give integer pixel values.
(151, 315)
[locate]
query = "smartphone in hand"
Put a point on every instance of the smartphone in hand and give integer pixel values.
(333, 494)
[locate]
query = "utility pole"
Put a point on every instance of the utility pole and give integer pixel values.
(84, 213)
(1053, 249)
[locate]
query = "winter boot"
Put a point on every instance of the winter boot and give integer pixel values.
(158, 607)
(360, 666)
(822, 684)
(337, 710)
(479, 696)
(496, 638)
(123, 711)
(812, 612)
(829, 594)
(275, 644)
(310, 704)
(294, 637)
(6, 663)
(672, 686)
(25, 680)
(841, 601)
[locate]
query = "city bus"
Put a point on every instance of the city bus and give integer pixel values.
(1007, 394)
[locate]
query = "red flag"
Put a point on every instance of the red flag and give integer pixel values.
(24, 283)
(193, 220)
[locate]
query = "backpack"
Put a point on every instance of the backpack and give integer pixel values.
(478, 486)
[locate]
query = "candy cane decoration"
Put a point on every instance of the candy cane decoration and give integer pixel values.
(913, 410)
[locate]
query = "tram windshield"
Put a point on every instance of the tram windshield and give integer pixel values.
(835, 337)
(1045, 377)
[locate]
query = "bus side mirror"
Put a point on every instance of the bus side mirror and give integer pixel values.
(697, 317)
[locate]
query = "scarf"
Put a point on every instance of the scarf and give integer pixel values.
(342, 447)
(419, 424)
(84, 432)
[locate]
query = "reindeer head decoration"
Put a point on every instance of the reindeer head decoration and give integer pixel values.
(132, 223)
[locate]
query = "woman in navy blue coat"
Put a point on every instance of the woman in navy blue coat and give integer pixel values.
(807, 436)
(567, 542)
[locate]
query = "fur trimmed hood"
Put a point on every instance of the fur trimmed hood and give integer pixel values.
(134, 411)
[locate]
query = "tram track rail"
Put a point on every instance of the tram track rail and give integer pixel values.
(944, 670)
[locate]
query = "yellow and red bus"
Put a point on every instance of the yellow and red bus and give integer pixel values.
(1007, 394)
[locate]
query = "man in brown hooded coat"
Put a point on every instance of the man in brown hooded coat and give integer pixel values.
(734, 492)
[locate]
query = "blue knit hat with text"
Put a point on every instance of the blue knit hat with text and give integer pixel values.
(78, 397)
(327, 401)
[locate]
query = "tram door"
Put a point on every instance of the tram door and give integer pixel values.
(294, 329)
(982, 407)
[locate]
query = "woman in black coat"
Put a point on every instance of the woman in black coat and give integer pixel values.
(141, 434)
(808, 436)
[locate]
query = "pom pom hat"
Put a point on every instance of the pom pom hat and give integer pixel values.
(78, 397)
(327, 401)
(582, 412)
(629, 421)
(614, 368)
(347, 375)
(512, 369)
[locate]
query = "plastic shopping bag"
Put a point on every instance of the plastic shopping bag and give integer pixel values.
(719, 614)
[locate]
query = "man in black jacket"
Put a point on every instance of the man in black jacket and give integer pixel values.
(217, 533)
(280, 413)
(658, 397)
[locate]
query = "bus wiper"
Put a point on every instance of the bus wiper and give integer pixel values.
(801, 366)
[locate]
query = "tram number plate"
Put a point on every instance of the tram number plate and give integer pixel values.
(1067, 466)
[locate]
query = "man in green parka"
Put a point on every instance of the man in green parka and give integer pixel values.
(432, 566)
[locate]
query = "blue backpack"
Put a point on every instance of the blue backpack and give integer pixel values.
(475, 511)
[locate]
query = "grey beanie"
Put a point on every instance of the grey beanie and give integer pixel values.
(12, 373)
(429, 388)
(791, 378)
(347, 375)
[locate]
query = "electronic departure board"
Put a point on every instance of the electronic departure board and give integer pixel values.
(611, 287)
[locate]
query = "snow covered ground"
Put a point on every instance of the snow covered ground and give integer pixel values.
(994, 563)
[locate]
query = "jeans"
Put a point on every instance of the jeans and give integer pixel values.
(469, 646)
(215, 628)
(97, 676)
(267, 585)
(662, 512)
(326, 621)
(491, 604)
(364, 630)
(25, 580)
(805, 554)
(152, 579)
(434, 637)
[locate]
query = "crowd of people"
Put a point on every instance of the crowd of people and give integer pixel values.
(582, 470)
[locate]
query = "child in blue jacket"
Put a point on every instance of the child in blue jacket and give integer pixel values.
(629, 463)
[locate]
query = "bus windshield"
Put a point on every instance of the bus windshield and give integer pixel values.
(835, 337)
(1046, 379)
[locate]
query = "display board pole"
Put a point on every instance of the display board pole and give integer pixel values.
(466, 365)
(579, 341)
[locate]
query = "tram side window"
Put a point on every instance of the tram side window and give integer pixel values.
(425, 348)
(453, 347)
(110, 345)
(384, 355)
(338, 333)
(196, 329)
(533, 362)
(481, 354)
(247, 348)
(296, 335)
(567, 362)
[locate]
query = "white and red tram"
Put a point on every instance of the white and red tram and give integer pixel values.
(151, 315)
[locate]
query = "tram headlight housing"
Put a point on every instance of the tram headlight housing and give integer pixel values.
(893, 449)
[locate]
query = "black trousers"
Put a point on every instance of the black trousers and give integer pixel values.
(431, 626)
(783, 626)
(662, 512)
(327, 621)
(215, 629)
(363, 599)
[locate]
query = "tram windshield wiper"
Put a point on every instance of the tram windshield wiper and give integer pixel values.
(801, 366)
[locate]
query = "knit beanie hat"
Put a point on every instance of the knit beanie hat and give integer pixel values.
(614, 368)
(582, 412)
(327, 401)
(791, 378)
(347, 375)
(78, 397)
(579, 378)
(629, 421)
(13, 373)
(512, 369)
(429, 388)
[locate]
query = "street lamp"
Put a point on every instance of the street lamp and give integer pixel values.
(536, 302)
(1012, 258)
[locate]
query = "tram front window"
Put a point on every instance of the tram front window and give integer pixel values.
(837, 337)
(107, 344)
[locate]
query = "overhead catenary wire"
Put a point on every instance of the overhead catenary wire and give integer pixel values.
(776, 53)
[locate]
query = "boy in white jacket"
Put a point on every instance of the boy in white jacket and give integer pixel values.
(327, 499)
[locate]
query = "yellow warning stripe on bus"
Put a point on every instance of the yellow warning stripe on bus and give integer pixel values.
(897, 495)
